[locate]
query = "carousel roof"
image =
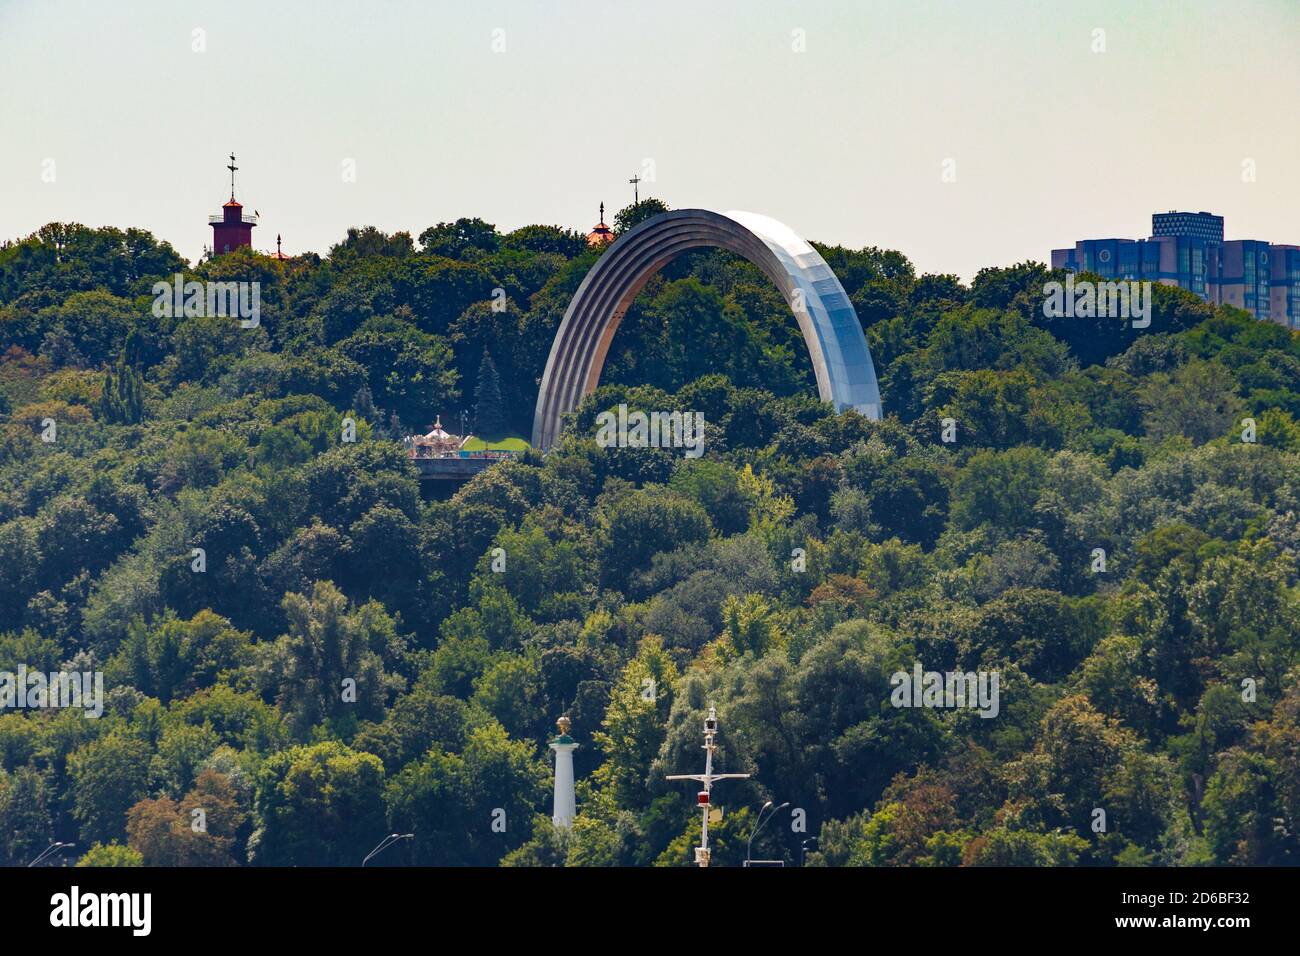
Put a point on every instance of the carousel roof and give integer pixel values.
(438, 435)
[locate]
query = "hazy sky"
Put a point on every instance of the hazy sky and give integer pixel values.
(845, 141)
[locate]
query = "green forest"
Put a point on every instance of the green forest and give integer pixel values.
(1106, 532)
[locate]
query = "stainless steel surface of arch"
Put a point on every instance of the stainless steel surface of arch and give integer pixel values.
(845, 374)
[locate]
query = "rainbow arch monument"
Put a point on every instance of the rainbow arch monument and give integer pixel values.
(846, 376)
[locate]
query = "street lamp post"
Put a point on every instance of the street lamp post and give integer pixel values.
(384, 844)
(759, 824)
(803, 848)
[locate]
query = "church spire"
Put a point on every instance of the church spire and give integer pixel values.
(601, 235)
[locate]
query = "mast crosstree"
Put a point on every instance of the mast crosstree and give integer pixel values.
(708, 778)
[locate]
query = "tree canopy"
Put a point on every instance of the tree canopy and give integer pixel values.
(311, 649)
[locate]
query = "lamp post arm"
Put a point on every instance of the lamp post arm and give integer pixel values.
(53, 848)
(764, 823)
(384, 844)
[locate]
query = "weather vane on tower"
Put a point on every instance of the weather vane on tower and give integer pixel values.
(232, 167)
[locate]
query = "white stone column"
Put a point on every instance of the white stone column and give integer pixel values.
(565, 799)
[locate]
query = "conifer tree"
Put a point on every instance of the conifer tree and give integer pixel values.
(121, 401)
(489, 411)
(364, 404)
(107, 408)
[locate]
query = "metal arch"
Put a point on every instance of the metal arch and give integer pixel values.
(845, 374)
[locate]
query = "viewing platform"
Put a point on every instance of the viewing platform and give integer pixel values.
(441, 456)
(456, 468)
(246, 218)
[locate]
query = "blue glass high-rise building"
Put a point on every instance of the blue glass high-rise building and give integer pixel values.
(1133, 259)
(1243, 277)
(1284, 284)
(1187, 249)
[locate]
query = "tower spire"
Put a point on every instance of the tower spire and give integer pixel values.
(232, 167)
(601, 235)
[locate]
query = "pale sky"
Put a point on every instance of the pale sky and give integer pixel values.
(844, 142)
